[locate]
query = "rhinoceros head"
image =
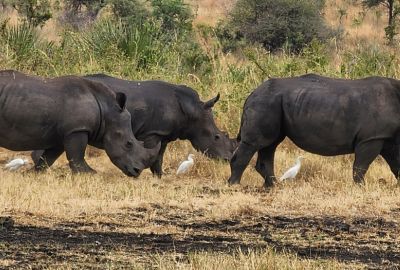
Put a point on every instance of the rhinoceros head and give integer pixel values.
(124, 150)
(205, 135)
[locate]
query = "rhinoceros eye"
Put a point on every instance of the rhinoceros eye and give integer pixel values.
(217, 137)
(129, 144)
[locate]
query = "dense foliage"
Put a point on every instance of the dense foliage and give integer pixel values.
(36, 12)
(278, 23)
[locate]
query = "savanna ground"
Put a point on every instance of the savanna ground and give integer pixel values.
(320, 220)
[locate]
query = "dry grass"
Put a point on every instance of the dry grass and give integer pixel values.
(211, 11)
(359, 24)
(170, 206)
(323, 187)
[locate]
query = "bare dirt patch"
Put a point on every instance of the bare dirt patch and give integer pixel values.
(371, 242)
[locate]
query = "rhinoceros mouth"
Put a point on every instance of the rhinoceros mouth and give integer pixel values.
(217, 156)
(132, 172)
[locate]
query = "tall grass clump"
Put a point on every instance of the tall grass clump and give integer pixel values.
(365, 61)
(141, 44)
(23, 46)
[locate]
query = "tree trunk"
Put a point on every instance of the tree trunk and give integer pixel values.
(391, 11)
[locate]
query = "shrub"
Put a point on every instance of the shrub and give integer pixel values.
(141, 44)
(36, 12)
(24, 45)
(278, 23)
(79, 13)
(174, 15)
(132, 11)
(229, 38)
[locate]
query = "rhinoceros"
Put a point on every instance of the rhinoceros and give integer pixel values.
(323, 116)
(164, 112)
(67, 113)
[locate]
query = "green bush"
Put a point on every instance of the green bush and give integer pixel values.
(229, 38)
(279, 23)
(131, 11)
(174, 15)
(36, 12)
(141, 44)
(24, 46)
(80, 13)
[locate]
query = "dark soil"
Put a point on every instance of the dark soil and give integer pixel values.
(372, 242)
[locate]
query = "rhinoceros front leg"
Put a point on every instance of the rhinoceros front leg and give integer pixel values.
(156, 167)
(239, 161)
(365, 153)
(75, 145)
(45, 158)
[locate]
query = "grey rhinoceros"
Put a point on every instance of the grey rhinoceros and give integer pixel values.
(323, 116)
(67, 113)
(164, 112)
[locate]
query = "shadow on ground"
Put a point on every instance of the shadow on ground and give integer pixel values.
(371, 242)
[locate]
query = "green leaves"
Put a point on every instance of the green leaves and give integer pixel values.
(36, 12)
(278, 23)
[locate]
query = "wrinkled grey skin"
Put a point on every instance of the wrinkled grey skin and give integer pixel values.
(67, 113)
(323, 116)
(164, 112)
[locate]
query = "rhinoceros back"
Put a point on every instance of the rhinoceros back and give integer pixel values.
(326, 116)
(36, 113)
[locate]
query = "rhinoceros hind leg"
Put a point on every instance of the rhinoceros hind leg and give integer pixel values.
(265, 164)
(365, 153)
(75, 145)
(391, 154)
(239, 161)
(45, 158)
(156, 167)
(36, 156)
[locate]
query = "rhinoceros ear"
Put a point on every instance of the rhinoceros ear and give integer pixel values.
(209, 104)
(188, 105)
(121, 100)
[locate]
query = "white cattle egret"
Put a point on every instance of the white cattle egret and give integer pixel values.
(292, 172)
(15, 164)
(185, 165)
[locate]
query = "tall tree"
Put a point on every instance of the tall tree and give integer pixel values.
(393, 11)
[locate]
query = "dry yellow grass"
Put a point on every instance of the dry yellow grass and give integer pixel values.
(211, 11)
(200, 204)
(323, 187)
